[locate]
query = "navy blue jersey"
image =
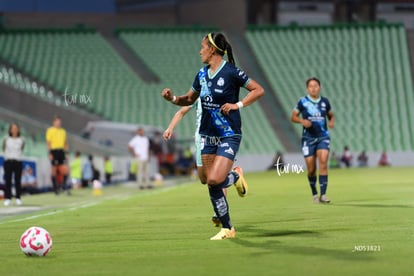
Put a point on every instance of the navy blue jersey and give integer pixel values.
(315, 111)
(216, 90)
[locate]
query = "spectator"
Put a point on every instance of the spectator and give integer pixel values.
(346, 157)
(132, 170)
(362, 159)
(13, 146)
(76, 171)
(383, 161)
(29, 183)
(185, 163)
(87, 172)
(109, 169)
(139, 147)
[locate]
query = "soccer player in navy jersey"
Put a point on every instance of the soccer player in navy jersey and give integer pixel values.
(218, 86)
(315, 111)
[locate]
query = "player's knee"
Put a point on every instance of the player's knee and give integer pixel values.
(311, 172)
(214, 180)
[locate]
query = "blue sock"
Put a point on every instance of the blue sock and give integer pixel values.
(323, 183)
(220, 205)
(231, 178)
(312, 183)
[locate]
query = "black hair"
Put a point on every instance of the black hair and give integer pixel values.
(222, 45)
(313, 79)
(18, 131)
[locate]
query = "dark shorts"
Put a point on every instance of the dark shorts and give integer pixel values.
(221, 146)
(58, 157)
(311, 145)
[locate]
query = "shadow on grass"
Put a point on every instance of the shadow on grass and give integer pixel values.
(277, 246)
(275, 233)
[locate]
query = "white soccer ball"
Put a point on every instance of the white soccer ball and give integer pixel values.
(36, 241)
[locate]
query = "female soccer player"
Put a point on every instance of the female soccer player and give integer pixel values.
(175, 120)
(218, 86)
(315, 138)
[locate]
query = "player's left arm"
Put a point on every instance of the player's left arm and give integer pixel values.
(255, 92)
(331, 119)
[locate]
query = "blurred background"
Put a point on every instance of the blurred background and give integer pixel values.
(101, 65)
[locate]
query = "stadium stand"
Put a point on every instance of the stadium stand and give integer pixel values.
(364, 70)
(80, 63)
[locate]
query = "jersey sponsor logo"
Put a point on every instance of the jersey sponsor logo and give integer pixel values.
(241, 73)
(218, 90)
(229, 151)
(208, 98)
(220, 81)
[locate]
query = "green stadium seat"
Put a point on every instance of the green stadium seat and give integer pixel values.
(360, 68)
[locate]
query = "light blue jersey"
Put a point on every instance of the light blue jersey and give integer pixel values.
(199, 112)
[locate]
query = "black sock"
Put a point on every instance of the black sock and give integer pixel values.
(54, 183)
(323, 183)
(220, 205)
(312, 183)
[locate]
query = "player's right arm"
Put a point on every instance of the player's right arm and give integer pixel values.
(184, 100)
(296, 119)
(175, 120)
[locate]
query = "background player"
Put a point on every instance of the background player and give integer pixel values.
(218, 86)
(315, 138)
(197, 140)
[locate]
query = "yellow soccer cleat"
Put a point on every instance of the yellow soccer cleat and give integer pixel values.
(324, 199)
(241, 184)
(224, 234)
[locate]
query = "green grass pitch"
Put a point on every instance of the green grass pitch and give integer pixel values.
(368, 229)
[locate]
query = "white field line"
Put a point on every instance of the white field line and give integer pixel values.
(91, 203)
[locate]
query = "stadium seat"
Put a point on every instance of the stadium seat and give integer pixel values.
(364, 70)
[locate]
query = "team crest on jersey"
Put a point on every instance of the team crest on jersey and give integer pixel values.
(209, 84)
(220, 81)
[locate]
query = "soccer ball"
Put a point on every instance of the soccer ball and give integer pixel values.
(36, 241)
